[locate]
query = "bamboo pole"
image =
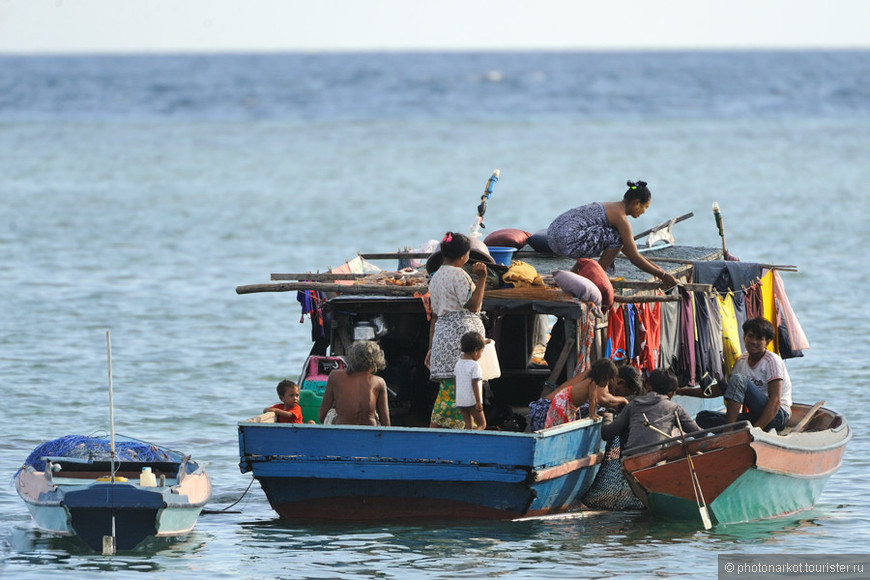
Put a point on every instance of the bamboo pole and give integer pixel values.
(782, 267)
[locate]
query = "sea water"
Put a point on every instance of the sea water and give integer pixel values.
(136, 193)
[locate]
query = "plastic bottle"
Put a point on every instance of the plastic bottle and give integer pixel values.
(147, 478)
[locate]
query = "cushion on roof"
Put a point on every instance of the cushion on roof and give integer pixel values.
(538, 242)
(509, 237)
(578, 286)
(592, 270)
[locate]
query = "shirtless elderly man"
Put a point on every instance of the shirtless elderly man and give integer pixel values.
(359, 396)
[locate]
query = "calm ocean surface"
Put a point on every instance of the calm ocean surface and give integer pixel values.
(136, 193)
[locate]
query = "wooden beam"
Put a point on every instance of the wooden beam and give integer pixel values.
(785, 268)
(395, 255)
(318, 277)
(656, 285)
(643, 298)
(374, 289)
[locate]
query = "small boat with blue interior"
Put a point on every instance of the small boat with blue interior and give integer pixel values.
(79, 485)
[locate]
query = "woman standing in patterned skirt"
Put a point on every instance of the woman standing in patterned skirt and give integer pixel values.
(455, 301)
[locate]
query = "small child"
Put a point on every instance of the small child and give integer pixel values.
(288, 410)
(589, 387)
(469, 384)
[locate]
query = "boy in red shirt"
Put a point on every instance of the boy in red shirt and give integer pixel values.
(288, 410)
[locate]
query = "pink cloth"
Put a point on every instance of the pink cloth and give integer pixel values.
(562, 409)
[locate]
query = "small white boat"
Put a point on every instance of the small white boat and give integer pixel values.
(76, 486)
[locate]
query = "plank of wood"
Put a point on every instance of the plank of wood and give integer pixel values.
(799, 426)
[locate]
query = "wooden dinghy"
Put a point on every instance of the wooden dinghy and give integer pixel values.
(744, 473)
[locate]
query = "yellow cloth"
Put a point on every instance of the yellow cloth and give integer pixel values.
(730, 331)
(768, 308)
(522, 275)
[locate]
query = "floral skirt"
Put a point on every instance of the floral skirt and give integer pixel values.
(445, 413)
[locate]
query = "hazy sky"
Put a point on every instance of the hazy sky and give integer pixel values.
(270, 25)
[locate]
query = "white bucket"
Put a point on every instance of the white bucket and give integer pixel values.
(489, 361)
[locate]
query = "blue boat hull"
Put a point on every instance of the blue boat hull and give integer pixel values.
(375, 473)
(92, 509)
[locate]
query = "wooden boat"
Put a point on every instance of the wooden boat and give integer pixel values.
(73, 487)
(409, 470)
(744, 473)
(326, 472)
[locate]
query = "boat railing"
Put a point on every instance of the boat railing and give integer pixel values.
(697, 435)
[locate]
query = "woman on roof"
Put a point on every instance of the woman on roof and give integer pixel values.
(602, 229)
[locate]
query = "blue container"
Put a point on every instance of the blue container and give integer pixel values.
(501, 254)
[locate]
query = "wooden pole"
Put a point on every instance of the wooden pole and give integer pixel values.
(717, 215)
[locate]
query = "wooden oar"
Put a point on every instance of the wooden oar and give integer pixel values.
(696, 485)
(804, 420)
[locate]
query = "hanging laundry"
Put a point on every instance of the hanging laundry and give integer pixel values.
(708, 348)
(754, 304)
(615, 347)
(726, 275)
(731, 333)
(312, 302)
(631, 337)
(650, 330)
(669, 348)
(768, 307)
(586, 329)
(686, 366)
(796, 334)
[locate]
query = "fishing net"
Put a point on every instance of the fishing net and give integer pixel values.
(610, 491)
(95, 448)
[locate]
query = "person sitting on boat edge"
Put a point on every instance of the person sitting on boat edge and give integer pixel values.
(592, 388)
(601, 230)
(288, 410)
(759, 381)
(628, 384)
(456, 302)
(469, 381)
(648, 416)
(359, 396)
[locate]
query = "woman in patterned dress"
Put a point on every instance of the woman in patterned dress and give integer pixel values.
(455, 301)
(603, 229)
